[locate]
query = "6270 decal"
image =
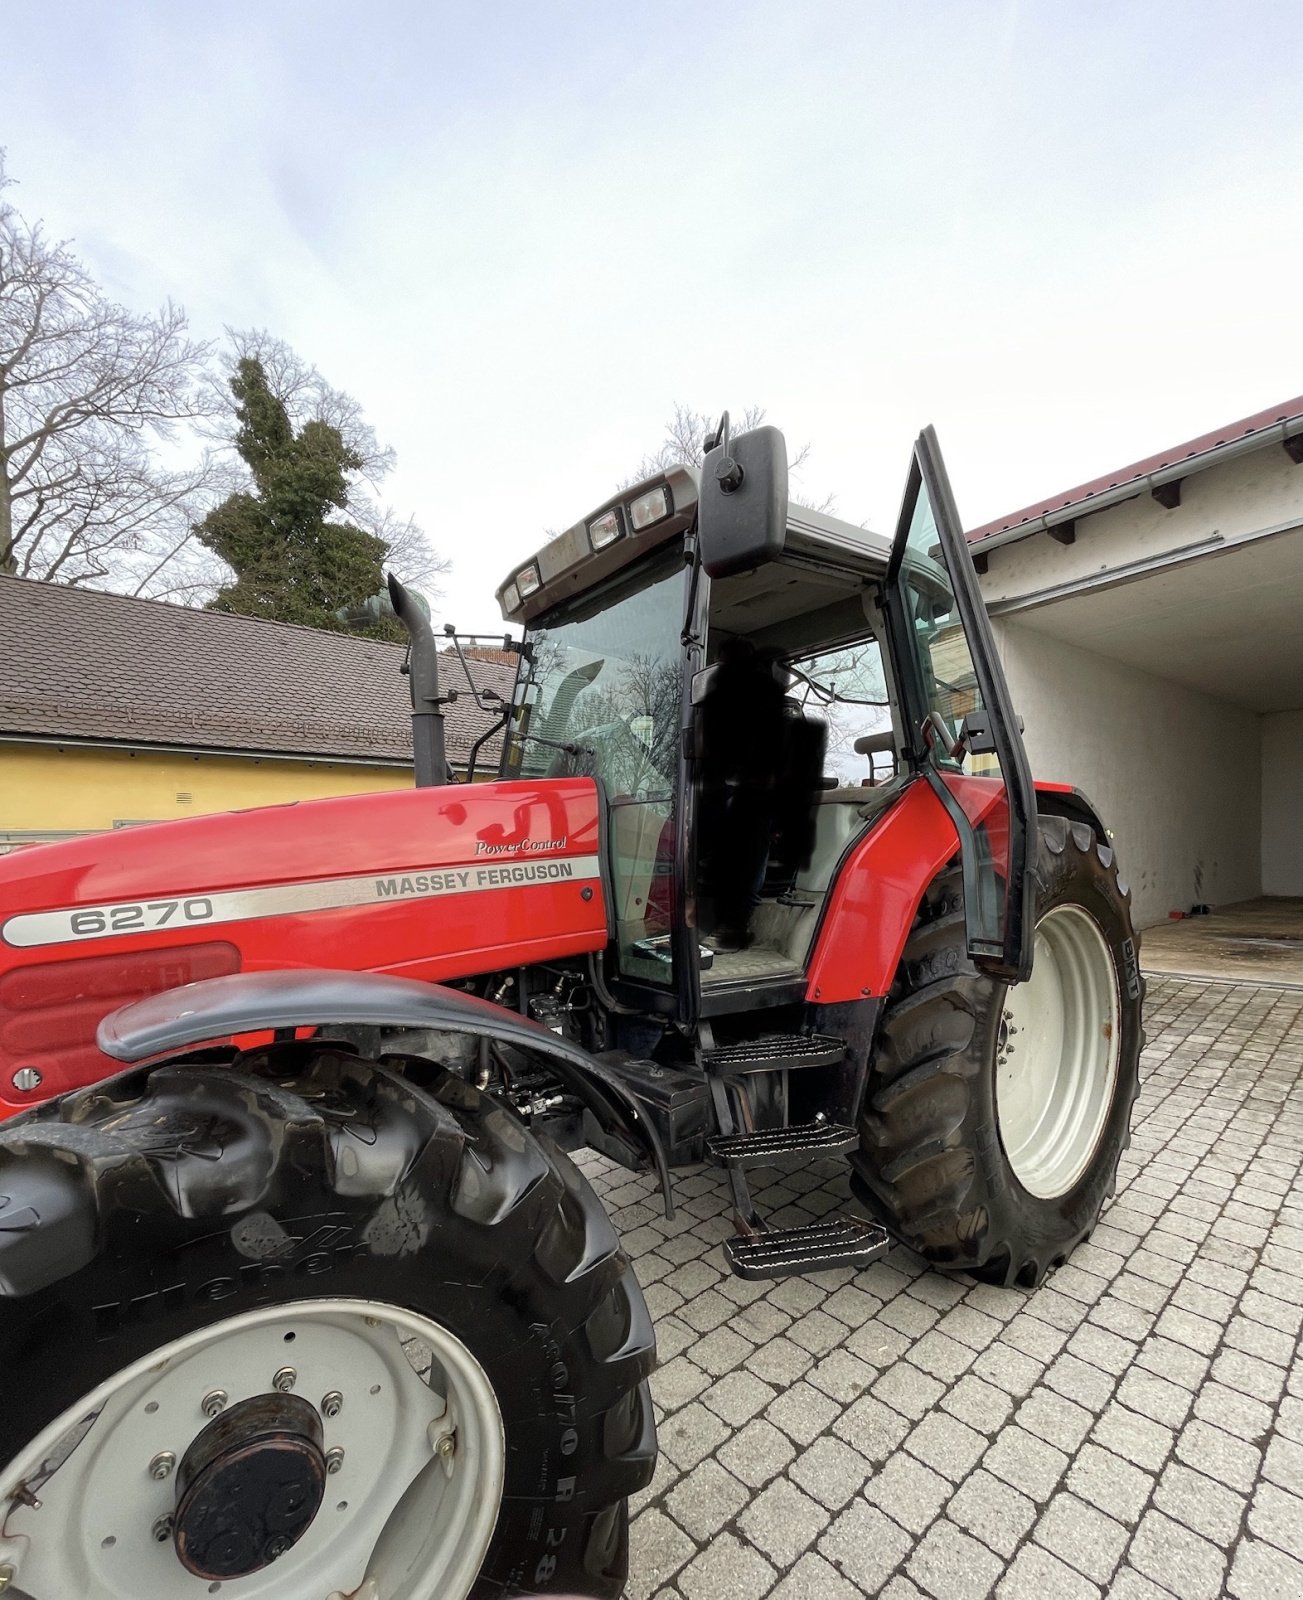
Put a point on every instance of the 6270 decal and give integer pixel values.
(136, 918)
(133, 919)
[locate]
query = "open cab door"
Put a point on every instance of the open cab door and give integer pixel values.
(962, 734)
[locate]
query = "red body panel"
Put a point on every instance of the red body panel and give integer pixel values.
(426, 883)
(872, 905)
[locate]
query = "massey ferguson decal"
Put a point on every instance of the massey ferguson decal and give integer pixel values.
(79, 923)
(458, 880)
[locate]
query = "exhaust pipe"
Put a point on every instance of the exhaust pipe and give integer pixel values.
(428, 754)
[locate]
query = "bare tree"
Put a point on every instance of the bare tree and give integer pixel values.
(87, 390)
(411, 555)
(685, 442)
(308, 397)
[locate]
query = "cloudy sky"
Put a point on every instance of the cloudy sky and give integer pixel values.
(1068, 235)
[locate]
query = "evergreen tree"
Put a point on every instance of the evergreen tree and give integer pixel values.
(291, 562)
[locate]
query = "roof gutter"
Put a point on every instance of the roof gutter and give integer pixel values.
(1115, 494)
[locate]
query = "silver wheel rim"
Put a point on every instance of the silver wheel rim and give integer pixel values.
(1057, 1066)
(409, 1510)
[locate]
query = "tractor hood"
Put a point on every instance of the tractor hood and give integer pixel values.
(427, 883)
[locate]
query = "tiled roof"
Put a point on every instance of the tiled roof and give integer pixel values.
(78, 664)
(1282, 421)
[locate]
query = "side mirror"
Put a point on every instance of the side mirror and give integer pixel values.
(742, 512)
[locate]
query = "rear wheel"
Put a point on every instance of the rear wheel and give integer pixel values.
(310, 1327)
(996, 1116)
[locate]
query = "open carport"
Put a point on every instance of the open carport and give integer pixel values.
(1150, 625)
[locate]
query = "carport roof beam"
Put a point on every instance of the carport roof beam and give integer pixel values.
(1281, 424)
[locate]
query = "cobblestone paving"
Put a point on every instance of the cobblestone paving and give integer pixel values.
(1133, 1428)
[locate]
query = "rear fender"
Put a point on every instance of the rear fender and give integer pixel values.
(881, 883)
(875, 898)
(1062, 800)
(254, 1002)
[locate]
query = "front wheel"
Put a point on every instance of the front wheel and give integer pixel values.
(308, 1327)
(996, 1115)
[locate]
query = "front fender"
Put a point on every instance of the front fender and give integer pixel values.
(252, 1002)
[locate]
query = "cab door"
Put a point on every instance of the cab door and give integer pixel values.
(962, 734)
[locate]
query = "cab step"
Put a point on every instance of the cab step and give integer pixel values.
(782, 1147)
(782, 1252)
(773, 1050)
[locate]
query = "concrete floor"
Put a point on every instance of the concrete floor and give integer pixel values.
(1133, 1429)
(1253, 941)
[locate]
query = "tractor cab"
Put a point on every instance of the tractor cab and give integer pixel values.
(753, 685)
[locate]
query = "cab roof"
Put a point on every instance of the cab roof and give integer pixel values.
(652, 513)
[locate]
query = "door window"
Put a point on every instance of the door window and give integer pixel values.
(847, 689)
(964, 731)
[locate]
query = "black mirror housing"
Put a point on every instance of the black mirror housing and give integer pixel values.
(742, 512)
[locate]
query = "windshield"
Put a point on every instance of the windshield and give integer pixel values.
(600, 697)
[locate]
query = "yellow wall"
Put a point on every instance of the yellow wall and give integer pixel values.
(57, 789)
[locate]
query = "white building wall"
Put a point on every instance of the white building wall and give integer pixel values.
(1282, 803)
(1238, 500)
(1175, 774)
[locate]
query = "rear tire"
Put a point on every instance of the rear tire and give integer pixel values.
(173, 1204)
(981, 1158)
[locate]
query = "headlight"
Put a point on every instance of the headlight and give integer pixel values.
(606, 530)
(527, 581)
(511, 597)
(654, 506)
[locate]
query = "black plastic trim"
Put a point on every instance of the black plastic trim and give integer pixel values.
(759, 994)
(251, 1002)
(1074, 806)
(685, 943)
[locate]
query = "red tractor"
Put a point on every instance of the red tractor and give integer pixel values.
(300, 1294)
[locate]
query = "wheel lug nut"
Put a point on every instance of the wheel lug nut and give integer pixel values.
(332, 1404)
(285, 1379)
(334, 1459)
(213, 1402)
(276, 1548)
(162, 1464)
(162, 1530)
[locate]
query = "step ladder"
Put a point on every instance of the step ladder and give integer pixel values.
(782, 1147)
(772, 1050)
(760, 1251)
(782, 1252)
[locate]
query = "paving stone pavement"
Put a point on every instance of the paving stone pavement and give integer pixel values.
(1133, 1428)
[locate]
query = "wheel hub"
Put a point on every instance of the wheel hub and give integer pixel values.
(249, 1487)
(131, 1493)
(1057, 1054)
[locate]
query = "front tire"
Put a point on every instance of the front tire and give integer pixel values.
(306, 1229)
(996, 1115)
